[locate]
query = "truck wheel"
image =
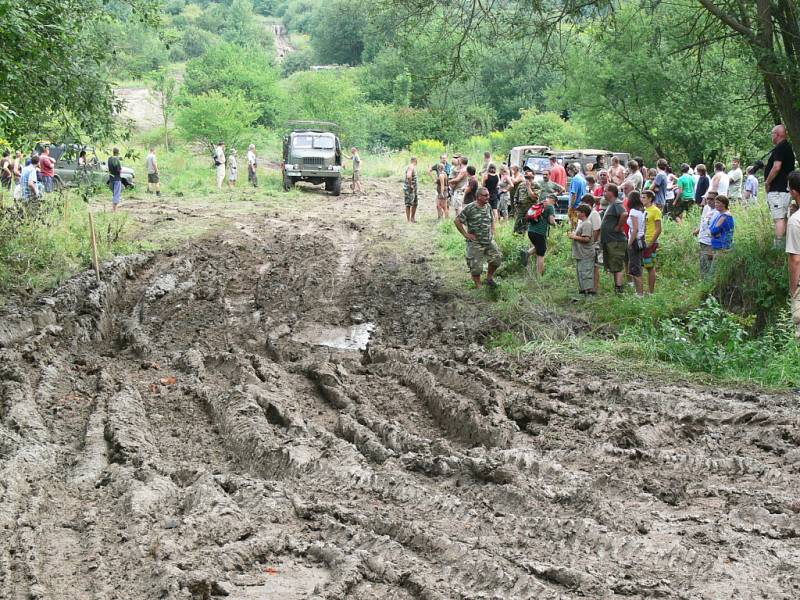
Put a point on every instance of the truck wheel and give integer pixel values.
(58, 184)
(288, 182)
(336, 186)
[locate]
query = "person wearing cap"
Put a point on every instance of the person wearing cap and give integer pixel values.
(735, 179)
(252, 165)
(233, 169)
(219, 163)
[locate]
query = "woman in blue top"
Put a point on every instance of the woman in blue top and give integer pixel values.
(722, 226)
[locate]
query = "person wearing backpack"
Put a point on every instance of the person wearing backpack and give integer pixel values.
(540, 217)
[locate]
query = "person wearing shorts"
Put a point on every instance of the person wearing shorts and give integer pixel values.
(612, 236)
(793, 251)
(636, 231)
(478, 218)
(537, 233)
(652, 231)
(153, 178)
(779, 165)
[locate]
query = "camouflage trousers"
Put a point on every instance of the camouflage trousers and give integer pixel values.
(410, 196)
(478, 253)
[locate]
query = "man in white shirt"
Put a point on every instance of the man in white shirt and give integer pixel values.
(735, 177)
(252, 165)
(719, 182)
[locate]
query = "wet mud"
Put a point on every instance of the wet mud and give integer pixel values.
(298, 411)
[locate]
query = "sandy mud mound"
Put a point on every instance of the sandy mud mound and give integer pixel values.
(297, 412)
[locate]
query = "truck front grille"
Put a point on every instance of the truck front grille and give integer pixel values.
(315, 161)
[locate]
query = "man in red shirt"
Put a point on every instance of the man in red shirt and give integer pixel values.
(557, 173)
(47, 169)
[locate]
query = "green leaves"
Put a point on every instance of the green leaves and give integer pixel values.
(213, 116)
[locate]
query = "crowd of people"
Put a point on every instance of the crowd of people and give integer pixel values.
(615, 213)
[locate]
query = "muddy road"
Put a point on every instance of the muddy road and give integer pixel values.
(298, 406)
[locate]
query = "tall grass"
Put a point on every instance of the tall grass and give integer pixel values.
(735, 325)
(40, 250)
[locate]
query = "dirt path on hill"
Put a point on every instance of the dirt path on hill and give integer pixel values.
(298, 406)
(282, 44)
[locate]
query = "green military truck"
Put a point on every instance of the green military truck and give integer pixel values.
(312, 152)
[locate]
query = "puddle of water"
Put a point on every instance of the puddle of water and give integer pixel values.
(355, 337)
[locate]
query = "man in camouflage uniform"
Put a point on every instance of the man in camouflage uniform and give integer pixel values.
(527, 195)
(479, 233)
(410, 183)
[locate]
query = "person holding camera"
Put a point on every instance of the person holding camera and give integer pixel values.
(779, 165)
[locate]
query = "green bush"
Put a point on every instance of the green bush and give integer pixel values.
(544, 128)
(427, 148)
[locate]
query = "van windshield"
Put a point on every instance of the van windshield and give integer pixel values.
(318, 142)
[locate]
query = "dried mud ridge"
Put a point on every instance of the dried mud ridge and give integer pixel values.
(175, 432)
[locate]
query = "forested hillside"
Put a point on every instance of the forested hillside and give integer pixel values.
(643, 76)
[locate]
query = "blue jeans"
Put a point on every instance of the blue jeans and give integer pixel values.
(47, 183)
(116, 188)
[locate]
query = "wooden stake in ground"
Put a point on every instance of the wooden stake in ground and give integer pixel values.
(95, 260)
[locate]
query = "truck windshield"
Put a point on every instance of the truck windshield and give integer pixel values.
(313, 141)
(539, 164)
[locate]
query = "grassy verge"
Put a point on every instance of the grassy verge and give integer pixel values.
(735, 327)
(40, 251)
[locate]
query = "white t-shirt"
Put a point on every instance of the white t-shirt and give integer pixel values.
(704, 235)
(640, 222)
(251, 157)
(724, 184)
(793, 234)
(219, 153)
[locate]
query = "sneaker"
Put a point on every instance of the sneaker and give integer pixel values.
(491, 283)
(620, 289)
(524, 256)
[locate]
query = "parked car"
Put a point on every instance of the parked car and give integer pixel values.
(69, 173)
(598, 158)
(535, 157)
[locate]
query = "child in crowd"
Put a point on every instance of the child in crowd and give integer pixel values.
(636, 245)
(703, 234)
(722, 226)
(583, 250)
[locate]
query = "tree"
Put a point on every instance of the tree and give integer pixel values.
(543, 128)
(337, 32)
(771, 31)
(52, 65)
(638, 91)
(212, 117)
(165, 88)
(231, 69)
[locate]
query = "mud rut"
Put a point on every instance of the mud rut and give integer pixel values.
(424, 467)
